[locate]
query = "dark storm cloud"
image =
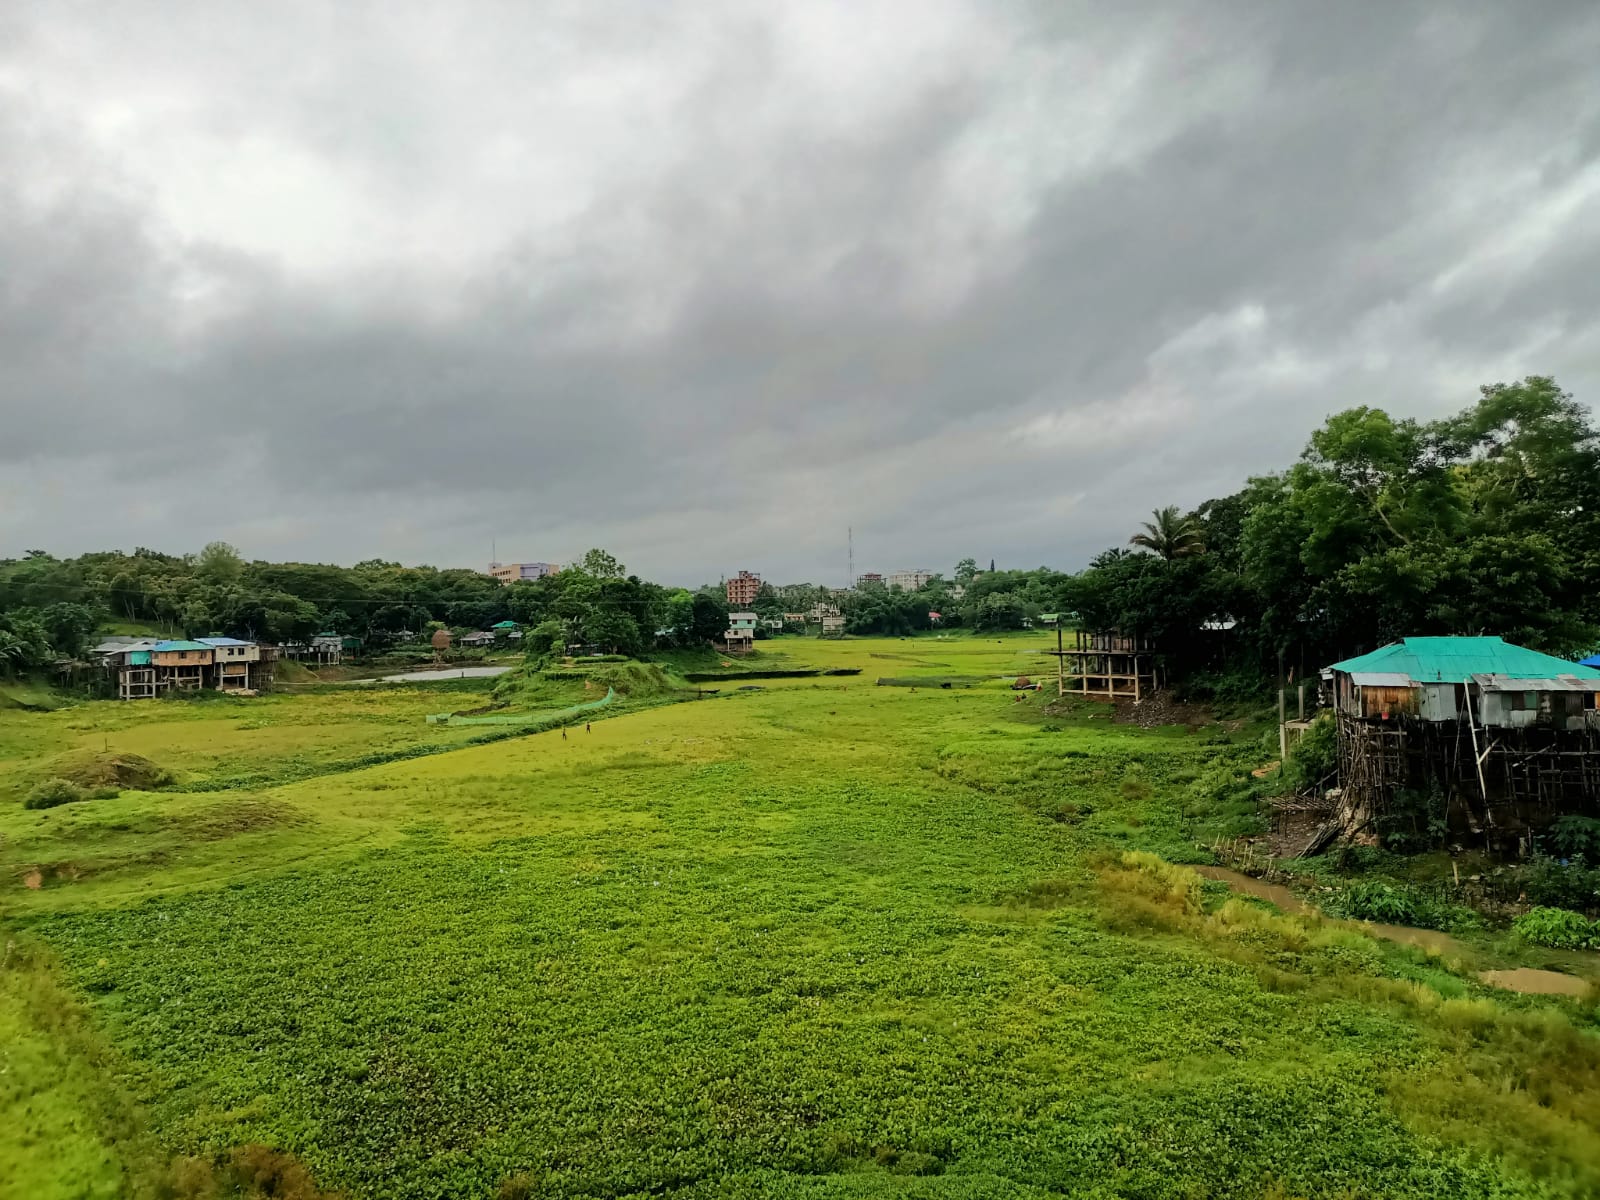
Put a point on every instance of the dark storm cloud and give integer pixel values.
(706, 289)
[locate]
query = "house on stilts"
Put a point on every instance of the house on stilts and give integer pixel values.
(1496, 739)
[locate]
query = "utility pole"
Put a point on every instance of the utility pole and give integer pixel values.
(1061, 661)
(850, 543)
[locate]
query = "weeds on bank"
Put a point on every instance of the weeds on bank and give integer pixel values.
(1522, 1082)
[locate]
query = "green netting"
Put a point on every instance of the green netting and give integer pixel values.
(547, 719)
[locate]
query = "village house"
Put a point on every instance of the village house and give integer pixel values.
(1507, 737)
(181, 664)
(233, 660)
(740, 637)
(480, 639)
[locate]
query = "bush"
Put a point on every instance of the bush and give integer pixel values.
(1557, 928)
(1373, 900)
(54, 792)
(1313, 757)
(1550, 883)
(1574, 836)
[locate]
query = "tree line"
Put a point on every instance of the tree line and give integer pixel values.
(1487, 521)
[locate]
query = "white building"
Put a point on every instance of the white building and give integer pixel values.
(908, 581)
(511, 572)
(741, 633)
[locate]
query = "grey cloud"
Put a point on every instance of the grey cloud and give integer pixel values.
(772, 314)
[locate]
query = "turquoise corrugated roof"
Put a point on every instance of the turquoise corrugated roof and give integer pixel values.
(177, 644)
(1455, 659)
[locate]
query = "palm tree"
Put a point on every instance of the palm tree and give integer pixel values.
(1171, 535)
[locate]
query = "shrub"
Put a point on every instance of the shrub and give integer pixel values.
(1552, 884)
(1314, 756)
(53, 792)
(1574, 836)
(1557, 928)
(1373, 900)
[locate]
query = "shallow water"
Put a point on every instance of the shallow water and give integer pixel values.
(1530, 981)
(446, 673)
(1533, 982)
(1251, 886)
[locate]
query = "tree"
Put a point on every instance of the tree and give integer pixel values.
(24, 644)
(999, 611)
(612, 630)
(220, 563)
(1171, 535)
(546, 640)
(602, 565)
(965, 570)
(710, 616)
(68, 626)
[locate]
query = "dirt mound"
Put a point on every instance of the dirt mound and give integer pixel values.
(111, 769)
(1159, 708)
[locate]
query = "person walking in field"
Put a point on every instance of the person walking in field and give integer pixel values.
(563, 734)
(587, 728)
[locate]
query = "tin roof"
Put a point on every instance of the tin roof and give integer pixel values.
(223, 641)
(1397, 679)
(178, 644)
(504, 625)
(1505, 683)
(1457, 659)
(123, 645)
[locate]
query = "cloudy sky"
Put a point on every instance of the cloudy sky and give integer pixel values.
(707, 283)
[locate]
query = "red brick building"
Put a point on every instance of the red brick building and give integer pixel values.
(742, 589)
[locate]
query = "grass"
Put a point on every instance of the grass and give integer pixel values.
(822, 939)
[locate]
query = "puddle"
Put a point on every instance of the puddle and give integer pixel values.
(1251, 886)
(1533, 982)
(1426, 939)
(446, 673)
(1530, 981)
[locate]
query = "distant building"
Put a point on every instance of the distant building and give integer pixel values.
(182, 664)
(481, 638)
(741, 634)
(146, 668)
(328, 648)
(869, 577)
(511, 572)
(909, 581)
(233, 661)
(509, 630)
(742, 589)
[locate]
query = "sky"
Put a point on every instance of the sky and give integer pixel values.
(710, 284)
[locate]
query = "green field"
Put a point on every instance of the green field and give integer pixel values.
(805, 938)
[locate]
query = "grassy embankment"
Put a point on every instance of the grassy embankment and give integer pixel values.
(821, 939)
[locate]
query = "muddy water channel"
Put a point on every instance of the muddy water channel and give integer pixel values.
(1528, 980)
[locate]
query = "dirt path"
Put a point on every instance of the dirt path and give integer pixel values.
(1531, 981)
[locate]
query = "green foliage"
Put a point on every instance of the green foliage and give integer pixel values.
(1374, 900)
(1571, 884)
(1314, 757)
(1575, 836)
(1171, 535)
(1558, 929)
(1416, 820)
(50, 793)
(824, 940)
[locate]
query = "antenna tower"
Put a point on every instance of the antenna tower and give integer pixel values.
(850, 541)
